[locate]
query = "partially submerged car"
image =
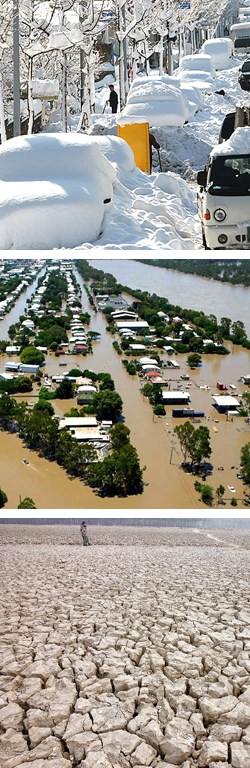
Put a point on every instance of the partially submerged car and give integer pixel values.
(224, 194)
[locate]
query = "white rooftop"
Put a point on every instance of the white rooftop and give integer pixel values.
(176, 395)
(78, 421)
(136, 324)
(137, 346)
(226, 401)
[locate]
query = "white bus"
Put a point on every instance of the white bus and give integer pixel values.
(241, 37)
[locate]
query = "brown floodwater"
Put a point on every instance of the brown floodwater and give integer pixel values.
(166, 485)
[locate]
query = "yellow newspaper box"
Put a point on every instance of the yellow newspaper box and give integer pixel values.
(135, 131)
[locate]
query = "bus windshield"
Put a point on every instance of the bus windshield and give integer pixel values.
(230, 175)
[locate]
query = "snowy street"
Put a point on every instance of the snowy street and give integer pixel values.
(144, 212)
(160, 211)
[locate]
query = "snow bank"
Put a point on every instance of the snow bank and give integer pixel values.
(46, 89)
(220, 50)
(61, 40)
(146, 215)
(52, 191)
(200, 61)
(239, 143)
(107, 80)
(117, 151)
(132, 120)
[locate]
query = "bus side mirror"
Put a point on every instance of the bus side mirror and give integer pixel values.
(202, 178)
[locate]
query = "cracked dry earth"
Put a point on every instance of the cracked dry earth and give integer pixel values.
(125, 656)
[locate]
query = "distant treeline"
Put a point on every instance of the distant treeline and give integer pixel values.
(142, 522)
(235, 271)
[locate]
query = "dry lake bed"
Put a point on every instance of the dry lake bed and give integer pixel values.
(134, 652)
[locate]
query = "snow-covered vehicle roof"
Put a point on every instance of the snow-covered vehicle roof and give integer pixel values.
(54, 190)
(237, 144)
(199, 79)
(153, 90)
(200, 61)
(161, 102)
(220, 50)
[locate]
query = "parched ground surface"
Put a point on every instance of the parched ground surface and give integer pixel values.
(124, 656)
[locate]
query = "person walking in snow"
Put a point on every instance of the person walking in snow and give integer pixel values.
(113, 99)
(84, 534)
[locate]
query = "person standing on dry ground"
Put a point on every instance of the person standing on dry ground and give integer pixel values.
(84, 535)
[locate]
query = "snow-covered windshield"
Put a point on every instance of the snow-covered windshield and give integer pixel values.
(230, 174)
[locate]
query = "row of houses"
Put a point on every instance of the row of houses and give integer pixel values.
(26, 275)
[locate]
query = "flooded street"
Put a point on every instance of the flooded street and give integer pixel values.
(19, 307)
(166, 485)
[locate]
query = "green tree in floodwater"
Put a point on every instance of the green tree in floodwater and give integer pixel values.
(65, 390)
(32, 356)
(194, 359)
(107, 405)
(199, 448)
(246, 399)
(3, 498)
(119, 436)
(205, 491)
(27, 503)
(245, 463)
(185, 433)
(219, 493)
(194, 443)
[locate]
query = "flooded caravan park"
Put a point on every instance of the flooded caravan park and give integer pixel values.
(166, 485)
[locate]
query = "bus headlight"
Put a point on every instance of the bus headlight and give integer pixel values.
(219, 214)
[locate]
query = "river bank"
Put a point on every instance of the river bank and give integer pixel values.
(191, 291)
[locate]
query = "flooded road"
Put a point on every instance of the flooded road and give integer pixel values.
(191, 291)
(166, 485)
(19, 307)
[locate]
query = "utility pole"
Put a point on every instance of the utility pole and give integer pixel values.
(121, 39)
(16, 64)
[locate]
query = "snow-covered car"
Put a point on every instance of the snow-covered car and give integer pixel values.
(161, 102)
(54, 190)
(193, 96)
(224, 195)
(220, 50)
(197, 62)
(198, 71)
(198, 79)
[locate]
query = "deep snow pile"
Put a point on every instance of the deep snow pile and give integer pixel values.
(52, 191)
(147, 212)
